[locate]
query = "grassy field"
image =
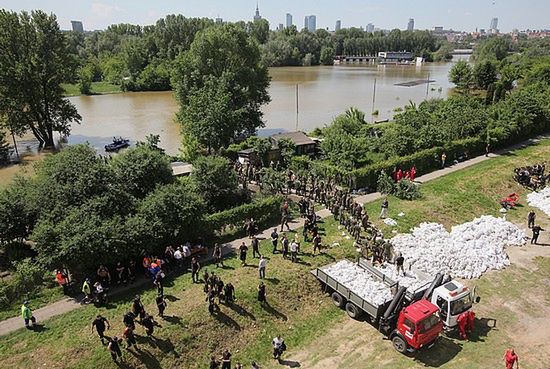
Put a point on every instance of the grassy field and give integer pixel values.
(318, 334)
(98, 88)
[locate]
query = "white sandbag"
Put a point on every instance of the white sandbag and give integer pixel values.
(540, 200)
(391, 222)
(468, 251)
(359, 282)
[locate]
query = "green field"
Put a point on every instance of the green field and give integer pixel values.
(98, 88)
(515, 297)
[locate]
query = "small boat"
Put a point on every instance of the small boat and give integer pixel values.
(118, 143)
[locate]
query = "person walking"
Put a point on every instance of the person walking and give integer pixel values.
(100, 323)
(279, 347)
(26, 314)
(149, 324)
(316, 243)
(294, 251)
(214, 364)
(218, 255)
(487, 149)
(531, 217)
(399, 261)
(226, 359)
(511, 358)
(285, 244)
(129, 320)
(536, 232)
(130, 338)
(384, 208)
(62, 280)
(261, 267)
(87, 290)
(195, 269)
(243, 249)
(255, 243)
(114, 348)
(229, 293)
(262, 293)
(138, 309)
(161, 304)
(443, 160)
(274, 239)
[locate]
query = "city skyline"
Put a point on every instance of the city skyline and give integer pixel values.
(466, 15)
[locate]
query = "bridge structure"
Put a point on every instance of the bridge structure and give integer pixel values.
(463, 51)
(355, 59)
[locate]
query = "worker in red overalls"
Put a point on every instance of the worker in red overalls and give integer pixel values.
(510, 358)
(462, 322)
(399, 175)
(413, 173)
(471, 319)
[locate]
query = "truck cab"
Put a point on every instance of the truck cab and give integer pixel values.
(452, 298)
(418, 325)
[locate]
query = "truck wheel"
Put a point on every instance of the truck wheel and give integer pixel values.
(338, 299)
(399, 344)
(353, 311)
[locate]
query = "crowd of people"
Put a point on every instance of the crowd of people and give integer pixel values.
(532, 176)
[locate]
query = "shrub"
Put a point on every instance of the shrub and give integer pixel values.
(263, 211)
(407, 190)
(27, 279)
(385, 184)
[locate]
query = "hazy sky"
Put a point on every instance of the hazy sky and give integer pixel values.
(387, 14)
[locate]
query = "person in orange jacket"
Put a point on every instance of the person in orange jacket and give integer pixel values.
(510, 358)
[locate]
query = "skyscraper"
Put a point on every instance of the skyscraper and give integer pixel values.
(338, 25)
(77, 26)
(410, 25)
(257, 16)
(370, 27)
(219, 20)
(288, 20)
(494, 23)
(280, 27)
(310, 23)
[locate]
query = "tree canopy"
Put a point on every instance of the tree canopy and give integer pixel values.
(33, 64)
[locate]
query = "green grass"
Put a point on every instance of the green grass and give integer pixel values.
(39, 299)
(302, 313)
(98, 88)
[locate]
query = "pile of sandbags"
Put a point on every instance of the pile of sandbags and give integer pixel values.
(409, 280)
(468, 251)
(540, 200)
(359, 282)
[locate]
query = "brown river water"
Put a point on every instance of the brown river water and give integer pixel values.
(323, 93)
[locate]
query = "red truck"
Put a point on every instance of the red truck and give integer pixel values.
(409, 320)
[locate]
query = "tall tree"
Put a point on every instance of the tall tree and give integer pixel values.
(226, 56)
(485, 74)
(461, 75)
(33, 64)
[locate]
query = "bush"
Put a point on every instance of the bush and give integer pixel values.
(406, 189)
(27, 279)
(385, 184)
(263, 212)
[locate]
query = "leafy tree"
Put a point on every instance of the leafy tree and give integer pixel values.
(262, 147)
(287, 149)
(461, 75)
(385, 184)
(228, 57)
(259, 30)
(485, 74)
(85, 81)
(493, 49)
(327, 55)
(140, 170)
(4, 148)
(170, 214)
(215, 180)
(17, 211)
(33, 64)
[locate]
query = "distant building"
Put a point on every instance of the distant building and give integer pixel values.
(370, 28)
(494, 24)
(390, 57)
(338, 25)
(257, 16)
(410, 25)
(288, 20)
(280, 27)
(438, 29)
(219, 20)
(310, 23)
(77, 26)
(304, 145)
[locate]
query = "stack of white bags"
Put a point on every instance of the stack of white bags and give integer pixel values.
(468, 251)
(540, 200)
(409, 280)
(359, 282)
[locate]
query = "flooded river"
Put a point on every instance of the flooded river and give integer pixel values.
(323, 93)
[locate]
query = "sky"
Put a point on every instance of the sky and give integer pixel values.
(464, 15)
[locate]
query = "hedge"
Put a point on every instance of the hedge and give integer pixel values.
(425, 161)
(263, 211)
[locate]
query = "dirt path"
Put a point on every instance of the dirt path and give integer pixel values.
(63, 306)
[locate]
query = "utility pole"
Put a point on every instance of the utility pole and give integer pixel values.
(373, 100)
(427, 86)
(297, 109)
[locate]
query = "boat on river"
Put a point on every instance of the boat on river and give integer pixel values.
(117, 144)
